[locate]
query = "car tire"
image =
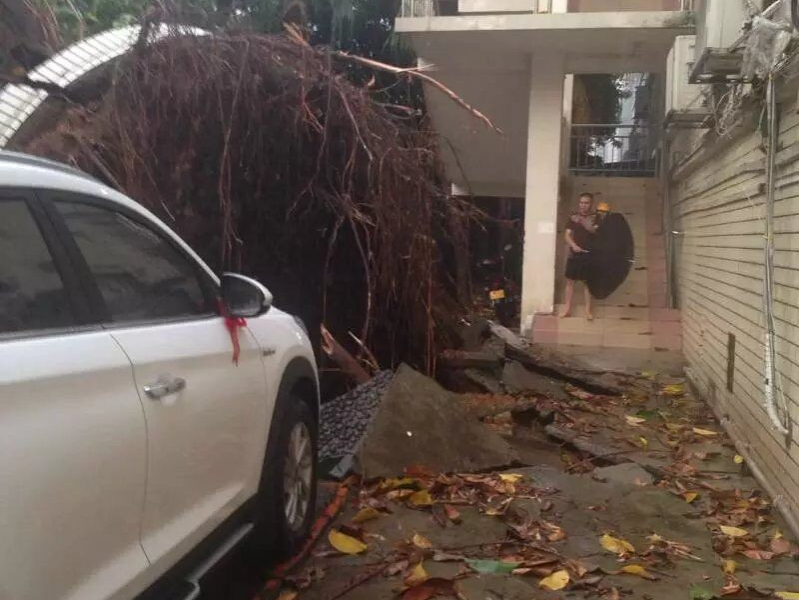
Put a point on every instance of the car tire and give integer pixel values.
(286, 501)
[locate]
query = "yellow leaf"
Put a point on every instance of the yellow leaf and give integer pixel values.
(366, 514)
(636, 570)
(738, 459)
(654, 538)
(345, 543)
(557, 581)
(634, 421)
(734, 531)
(788, 595)
(421, 498)
(675, 389)
(705, 432)
(416, 576)
(649, 374)
(729, 566)
(392, 484)
(421, 542)
(778, 534)
(690, 496)
(288, 595)
(616, 545)
(511, 477)
(644, 442)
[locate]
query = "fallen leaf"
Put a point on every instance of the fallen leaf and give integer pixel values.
(634, 421)
(557, 581)
(759, 554)
(557, 535)
(675, 389)
(734, 531)
(440, 515)
(644, 442)
(511, 477)
(700, 593)
(738, 459)
(452, 514)
(421, 542)
(492, 566)
(435, 586)
(705, 432)
(420, 498)
(388, 485)
(616, 545)
(690, 496)
(416, 576)
(345, 543)
(788, 595)
(637, 570)
(366, 514)
(288, 595)
(447, 557)
(729, 566)
(731, 586)
(781, 546)
(396, 568)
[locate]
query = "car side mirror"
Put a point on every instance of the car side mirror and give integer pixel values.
(244, 297)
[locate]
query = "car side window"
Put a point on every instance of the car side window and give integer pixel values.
(141, 276)
(32, 293)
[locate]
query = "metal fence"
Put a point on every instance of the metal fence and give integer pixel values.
(443, 8)
(612, 148)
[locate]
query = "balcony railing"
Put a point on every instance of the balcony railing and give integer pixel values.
(613, 149)
(446, 8)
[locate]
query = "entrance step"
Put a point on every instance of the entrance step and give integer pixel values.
(632, 328)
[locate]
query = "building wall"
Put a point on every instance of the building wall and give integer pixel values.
(717, 205)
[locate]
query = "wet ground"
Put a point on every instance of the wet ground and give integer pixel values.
(638, 496)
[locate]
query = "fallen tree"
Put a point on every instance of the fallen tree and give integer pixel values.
(259, 151)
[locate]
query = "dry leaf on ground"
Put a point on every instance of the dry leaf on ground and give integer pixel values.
(557, 581)
(416, 576)
(734, 531)
(639, 571)
(616, 545)
(345, 543)
(366, 514)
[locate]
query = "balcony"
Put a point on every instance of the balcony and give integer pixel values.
(452, 8)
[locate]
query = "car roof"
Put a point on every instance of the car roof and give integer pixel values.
(18, 170)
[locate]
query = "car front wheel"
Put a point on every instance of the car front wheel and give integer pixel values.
(287, 497)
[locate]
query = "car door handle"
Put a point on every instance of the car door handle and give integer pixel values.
(164, 387)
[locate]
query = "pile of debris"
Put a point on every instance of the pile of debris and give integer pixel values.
(392, 422)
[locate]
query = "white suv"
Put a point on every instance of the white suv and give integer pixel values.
(134, 449)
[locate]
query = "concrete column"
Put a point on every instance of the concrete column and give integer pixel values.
(542, 186)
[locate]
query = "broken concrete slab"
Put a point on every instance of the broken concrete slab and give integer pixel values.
(518, 379)
(625, 474)
(461, 359)
(420, 423)
(549, 361)
(474, 334)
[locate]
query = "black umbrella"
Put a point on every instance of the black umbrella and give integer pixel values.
(611, 256)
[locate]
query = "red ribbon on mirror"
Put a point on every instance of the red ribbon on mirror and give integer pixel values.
(233, 324)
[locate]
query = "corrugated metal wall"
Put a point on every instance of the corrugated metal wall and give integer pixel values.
(718, 208)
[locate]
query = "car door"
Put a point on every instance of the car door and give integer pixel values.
(206, 416)
(72, 435)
